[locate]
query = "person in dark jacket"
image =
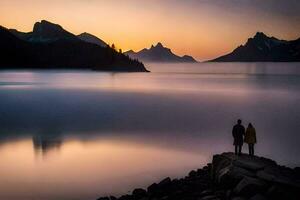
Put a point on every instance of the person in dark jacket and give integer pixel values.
(238, 133)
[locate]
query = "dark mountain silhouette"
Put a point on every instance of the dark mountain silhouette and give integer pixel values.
(87, 37)
(21, 35)
(158, 53)
(50, 46)
(45, 31)
(262, 48)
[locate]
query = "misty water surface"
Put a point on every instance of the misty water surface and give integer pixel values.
(82, 134)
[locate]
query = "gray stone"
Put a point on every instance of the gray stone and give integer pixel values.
(249, 164)
(231, 175)
(152, 188)
(265, 175)
(145, 198)
(206, 193)
(249, 187)
(228, 194)
(274, 191)
(219, 162)
(286, 181)
(258, 197)
(139, 192)
(164, 182)
(230, 156)
(238, 198)
(210, 197)
(297, 172)
(125, 197)
(193, 173)
(275, 176)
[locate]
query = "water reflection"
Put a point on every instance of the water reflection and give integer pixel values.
(42, 145)
(87, 169)
(103, 133)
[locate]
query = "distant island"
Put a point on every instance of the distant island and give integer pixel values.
(262, 48)
(159, 53)
(227, 177)
(49, 46)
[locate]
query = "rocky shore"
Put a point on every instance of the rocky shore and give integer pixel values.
(228, 177)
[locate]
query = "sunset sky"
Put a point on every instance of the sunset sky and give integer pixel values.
(202, 28)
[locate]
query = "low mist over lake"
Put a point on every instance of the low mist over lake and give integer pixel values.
(123, 130)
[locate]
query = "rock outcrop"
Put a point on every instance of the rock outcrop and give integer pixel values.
(247, 177)
(228, 177)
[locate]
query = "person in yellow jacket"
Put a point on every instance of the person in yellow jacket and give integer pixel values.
(250, 138)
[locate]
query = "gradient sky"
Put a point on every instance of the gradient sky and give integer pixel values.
(202, 28)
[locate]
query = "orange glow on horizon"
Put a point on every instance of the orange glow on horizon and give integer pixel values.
(203, 30)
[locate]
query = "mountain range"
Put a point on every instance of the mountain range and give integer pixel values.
(262, 48)
(158, 53)
(51, 46)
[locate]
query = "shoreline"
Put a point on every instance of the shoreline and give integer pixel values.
(227, 177)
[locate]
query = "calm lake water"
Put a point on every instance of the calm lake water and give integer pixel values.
(78, 135)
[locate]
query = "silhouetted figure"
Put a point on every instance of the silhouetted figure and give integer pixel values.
(238, 133)
(250, 138)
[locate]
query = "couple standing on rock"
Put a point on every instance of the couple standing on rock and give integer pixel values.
(240, 136)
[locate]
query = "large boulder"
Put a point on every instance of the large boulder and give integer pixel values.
(238, 198)
(249, 163)
(250, 187)
(165, 182)
(279, 175)
(251, 175)
(232, 175)
(139, 193)
(297, 173)
(258, 197)
(210, 197)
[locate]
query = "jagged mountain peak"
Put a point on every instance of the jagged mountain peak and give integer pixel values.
(160, 45)
(44, 24)
(260, 35)
(159, 53)
(45, 31)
